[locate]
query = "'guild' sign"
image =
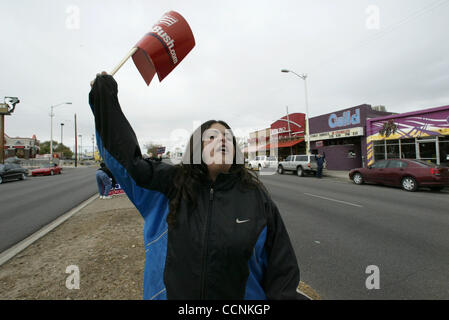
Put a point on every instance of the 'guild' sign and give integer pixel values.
(345, 120)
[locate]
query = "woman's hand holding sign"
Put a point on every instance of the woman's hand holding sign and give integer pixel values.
(103, 73)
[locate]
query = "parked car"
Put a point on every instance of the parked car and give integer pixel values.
(12, 171)
(299, 164)
(47, 170)
(408, 174)
(263, 162)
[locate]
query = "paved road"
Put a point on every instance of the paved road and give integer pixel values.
(26, 206)
(338, 229)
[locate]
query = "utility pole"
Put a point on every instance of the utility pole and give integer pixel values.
(76, 145)
(2, 138)
(81, 146)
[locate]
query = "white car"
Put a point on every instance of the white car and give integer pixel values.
(263, 162)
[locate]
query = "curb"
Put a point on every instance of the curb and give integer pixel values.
(22, 245)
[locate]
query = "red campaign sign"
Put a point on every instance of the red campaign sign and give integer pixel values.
(164, 47)
(116, 190)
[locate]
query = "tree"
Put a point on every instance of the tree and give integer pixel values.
(45, 147)
(66, 152)
(57, 148)
(152, 147)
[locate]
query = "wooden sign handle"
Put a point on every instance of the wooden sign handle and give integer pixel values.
(129, 55)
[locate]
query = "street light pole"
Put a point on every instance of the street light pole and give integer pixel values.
(51, 128)
(76, 145)
(304, 77)
(289, 131)
(62, 126)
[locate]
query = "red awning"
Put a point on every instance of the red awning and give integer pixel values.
(282, 144)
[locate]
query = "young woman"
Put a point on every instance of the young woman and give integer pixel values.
(211, 229)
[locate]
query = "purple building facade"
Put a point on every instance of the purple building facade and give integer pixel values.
(421, 135)
(341, 135)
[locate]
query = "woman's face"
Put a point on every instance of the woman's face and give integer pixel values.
(218, 147)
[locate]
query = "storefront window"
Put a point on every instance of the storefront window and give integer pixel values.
(408, 150)
(427, 150)
(379, 150)
(393, 151)
(444, 151)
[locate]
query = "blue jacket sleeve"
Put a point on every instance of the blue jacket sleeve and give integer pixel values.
(282, 272)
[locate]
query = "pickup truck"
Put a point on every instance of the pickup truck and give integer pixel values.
(263, 162)
(299, 164)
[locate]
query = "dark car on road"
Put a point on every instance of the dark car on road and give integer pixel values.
(12, 171)
(408, 174)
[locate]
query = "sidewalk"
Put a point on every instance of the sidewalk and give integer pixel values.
(343, 174)
(105, 241)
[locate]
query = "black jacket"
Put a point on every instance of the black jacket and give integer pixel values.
(232, 245)
(320, 161)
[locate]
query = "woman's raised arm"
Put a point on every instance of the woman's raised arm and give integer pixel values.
(119, 148)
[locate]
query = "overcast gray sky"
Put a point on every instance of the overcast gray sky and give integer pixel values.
(379, 52)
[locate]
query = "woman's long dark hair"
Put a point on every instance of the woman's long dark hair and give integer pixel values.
(193, 172)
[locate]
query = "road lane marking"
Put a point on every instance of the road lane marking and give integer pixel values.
(344, 202)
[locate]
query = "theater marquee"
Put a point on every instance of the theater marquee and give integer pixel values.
(344, 133)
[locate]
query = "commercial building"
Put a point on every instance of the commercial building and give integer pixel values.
(284, 137)
(21, 147)
(421, 135)
(287, 134)
(341, 136)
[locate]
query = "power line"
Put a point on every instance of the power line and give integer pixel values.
(387, 30)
